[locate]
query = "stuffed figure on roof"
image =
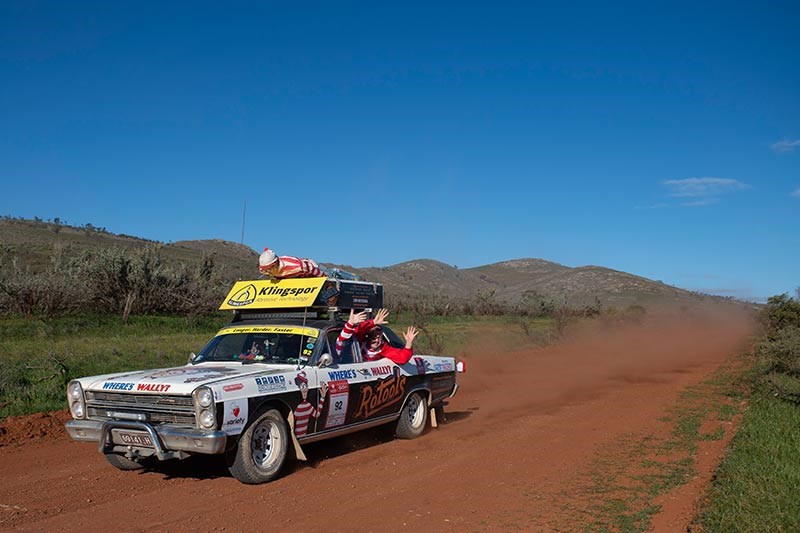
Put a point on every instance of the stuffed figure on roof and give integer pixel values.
(287, 266)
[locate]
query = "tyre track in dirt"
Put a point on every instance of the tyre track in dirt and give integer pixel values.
(522, 431)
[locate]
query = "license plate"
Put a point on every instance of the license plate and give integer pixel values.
(135, 439)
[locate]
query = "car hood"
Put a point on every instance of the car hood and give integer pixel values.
(176, 380)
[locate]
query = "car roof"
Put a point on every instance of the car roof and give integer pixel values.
(316, 323)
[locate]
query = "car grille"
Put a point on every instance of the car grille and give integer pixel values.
(155, 408)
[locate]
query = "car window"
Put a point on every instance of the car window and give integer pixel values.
(393, 338)
(347, 355)
(263, 344)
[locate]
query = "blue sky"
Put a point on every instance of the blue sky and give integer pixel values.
(661, 141)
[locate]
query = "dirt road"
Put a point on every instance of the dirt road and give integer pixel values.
(523, 431)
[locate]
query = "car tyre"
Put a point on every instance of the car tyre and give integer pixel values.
(123, 463)
(262, 449)
(413, 417)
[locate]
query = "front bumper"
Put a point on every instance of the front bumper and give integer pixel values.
(168, 442)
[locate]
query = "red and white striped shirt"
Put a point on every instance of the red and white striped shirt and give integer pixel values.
(296, 267)
(303, 413)
(399, 355)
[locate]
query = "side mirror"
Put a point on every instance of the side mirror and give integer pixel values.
(325, 360)
(192, 357)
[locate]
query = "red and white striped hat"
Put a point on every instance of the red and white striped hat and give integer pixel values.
(266, 259)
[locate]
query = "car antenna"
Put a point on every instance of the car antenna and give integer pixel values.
(302, 335)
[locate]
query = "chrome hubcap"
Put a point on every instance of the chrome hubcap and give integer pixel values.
(265, 443)
(415, 412)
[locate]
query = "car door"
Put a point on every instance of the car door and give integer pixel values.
(380, 392)
(375, 388)
(341, 378)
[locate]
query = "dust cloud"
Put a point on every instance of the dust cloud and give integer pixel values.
(592, 360)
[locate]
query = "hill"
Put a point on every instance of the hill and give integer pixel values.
(530, 279)
(31, 243)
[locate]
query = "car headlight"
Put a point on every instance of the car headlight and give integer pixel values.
(75, 399)
(77, 409)
(74, 390)
(205, 397)
(207, 418)
(205, 409)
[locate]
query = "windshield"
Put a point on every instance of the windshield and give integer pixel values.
(261, 344)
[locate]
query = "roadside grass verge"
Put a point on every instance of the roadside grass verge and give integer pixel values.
(39, 356)
(453, 335)
(756, 486)
(620, 490)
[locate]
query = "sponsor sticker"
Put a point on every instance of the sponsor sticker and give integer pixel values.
(383, 370)
(203, 372)
(270, 383)
(243, 296)
(152, 387)
(339, 392)
(233, 387)
(335, 375)
(113, 385)
(292, 330)
(265, 294)
(235, 417)
(384, 393)
(443, 367)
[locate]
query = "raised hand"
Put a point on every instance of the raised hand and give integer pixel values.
(357, 318)
(380, 317)
(410, 334)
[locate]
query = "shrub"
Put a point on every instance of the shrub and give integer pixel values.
(781, 311)
(781, 352)
(778, 353)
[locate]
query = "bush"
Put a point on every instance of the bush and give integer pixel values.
(117, 281)
(778, 353)
(781, 352)
(781, 311)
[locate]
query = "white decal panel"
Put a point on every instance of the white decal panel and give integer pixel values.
(235, 416)
(339, 392)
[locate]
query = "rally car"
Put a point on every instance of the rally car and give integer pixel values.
(267, 383)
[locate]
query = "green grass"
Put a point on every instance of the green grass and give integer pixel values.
(757, 484)
(622, 484)
(39, 356)
(455, 333)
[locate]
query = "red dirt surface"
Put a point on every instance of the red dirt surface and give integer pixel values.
(521, 434)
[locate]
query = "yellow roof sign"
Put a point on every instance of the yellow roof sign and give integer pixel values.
(273, 294)
(293, 330)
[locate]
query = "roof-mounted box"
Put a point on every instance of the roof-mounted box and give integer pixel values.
(303, 292)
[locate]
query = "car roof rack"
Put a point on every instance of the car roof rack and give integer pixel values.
(307, 298)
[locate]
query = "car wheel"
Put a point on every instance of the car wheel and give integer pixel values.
(262, 449)
(413, 417)
(123, 463)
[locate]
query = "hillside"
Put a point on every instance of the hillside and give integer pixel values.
(31, 243)
(530, 279)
